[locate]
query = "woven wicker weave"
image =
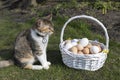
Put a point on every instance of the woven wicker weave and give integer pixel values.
(91, 62)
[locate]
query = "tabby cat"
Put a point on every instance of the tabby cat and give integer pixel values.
(30, 46)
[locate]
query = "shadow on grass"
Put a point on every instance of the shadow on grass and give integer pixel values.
(6, 54)
(54, 57)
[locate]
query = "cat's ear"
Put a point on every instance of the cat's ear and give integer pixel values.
(39, 23)
(48, 17)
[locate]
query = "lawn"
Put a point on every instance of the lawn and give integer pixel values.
(57, 71)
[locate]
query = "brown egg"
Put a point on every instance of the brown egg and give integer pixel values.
(89, 45)
(80, 52)
(100, 49)
(80, 47)
(74, 50)
(86, 51)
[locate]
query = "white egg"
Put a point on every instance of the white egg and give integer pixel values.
(75, 40)
(68, 45)
(94, 49)
(74, 43)
(84, 42)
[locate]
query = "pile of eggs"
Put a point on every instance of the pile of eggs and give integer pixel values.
(82, 46)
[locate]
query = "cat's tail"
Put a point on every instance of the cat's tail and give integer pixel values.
(6, 63)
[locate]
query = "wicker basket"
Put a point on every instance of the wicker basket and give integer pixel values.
(91, 62)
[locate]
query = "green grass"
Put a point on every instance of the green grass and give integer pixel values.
(57, 71)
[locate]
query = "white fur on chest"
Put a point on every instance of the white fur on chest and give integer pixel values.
(40, 40)
(43, 45)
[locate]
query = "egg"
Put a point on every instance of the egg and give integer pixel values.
(98, 45)
(100, 49)
(84, 42)
(74, 50)
(80, 52)
(94, 49)
(68, 44)
(80, 47)
(67, 41)
(86, 51)
(89, 45)
(74, 43)
(75, 40)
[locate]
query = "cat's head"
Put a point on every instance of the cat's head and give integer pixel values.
(44, 25)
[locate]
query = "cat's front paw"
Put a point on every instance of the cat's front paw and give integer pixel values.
(46, 67)
(49, 63)
(37, 67)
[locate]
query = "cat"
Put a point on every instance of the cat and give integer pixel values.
(31, 44)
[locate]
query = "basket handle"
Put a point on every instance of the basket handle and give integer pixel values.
(87, 17)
